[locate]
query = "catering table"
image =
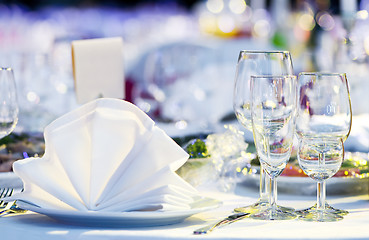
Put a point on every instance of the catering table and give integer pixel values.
(354, 225)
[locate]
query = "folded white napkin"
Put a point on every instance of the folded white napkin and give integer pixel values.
(107, 155)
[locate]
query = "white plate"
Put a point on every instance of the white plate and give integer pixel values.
(353, 185)
(124, 219)
(334, 185)
(9, 179)
(307, 186)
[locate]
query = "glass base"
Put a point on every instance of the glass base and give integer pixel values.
(261, 206)
(328, 208)
(278, 214)
(320, 216)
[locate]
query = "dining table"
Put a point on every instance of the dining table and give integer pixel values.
(355, 225)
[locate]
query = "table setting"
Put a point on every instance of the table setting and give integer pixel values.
(186, 153)
(129, 187)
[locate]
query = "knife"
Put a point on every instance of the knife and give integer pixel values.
(228, 220)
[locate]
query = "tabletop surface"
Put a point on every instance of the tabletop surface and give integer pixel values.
(353, 226)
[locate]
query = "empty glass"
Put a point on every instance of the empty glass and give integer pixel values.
(323, 124)
(8, 102)
(273, 120)
(277, 63)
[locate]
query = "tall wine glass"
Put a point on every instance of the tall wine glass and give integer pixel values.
(273, 115)
(323, 124)
(277, 63)
(8, 102)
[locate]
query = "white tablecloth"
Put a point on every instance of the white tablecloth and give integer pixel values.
(354, 226)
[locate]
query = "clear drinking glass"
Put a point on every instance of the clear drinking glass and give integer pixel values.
(323, 124)
(273, 109)
(277, 63)
(8, 102)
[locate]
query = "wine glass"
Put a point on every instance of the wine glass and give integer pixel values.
(167, 87)
(250, 63)
(273, 112)
(8, 102)
(323, 124)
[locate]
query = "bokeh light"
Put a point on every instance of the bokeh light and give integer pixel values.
(262, 23)
(33, 97)
(306, 22)
(325, 21)
(207, 22)
(261, 28)
(363, 14)
(215, 6)
(237, 6)
(226, 23)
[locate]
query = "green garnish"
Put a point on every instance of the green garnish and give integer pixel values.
(197, 149)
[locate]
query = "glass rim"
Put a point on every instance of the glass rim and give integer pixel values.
(263, 51)
(273, 76)
(322, 74)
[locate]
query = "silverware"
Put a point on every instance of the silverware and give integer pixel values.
(228, 220)
(11, 207)
(5, 192)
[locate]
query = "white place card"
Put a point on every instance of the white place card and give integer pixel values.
(98, 68)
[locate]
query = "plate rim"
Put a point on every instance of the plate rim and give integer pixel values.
(151, 218)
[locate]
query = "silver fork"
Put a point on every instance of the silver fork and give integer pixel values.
(5, 192)
(9, 207)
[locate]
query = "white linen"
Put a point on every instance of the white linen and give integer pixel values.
(353, 226)
(98, 68)
(106, 156)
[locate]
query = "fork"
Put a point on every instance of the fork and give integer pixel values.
(5, 192)
(8, 207)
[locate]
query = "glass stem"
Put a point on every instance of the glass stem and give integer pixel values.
(324, 194)
(264, 185)
(273, 197)
(264, 177)
(320, 205)
(270, 183)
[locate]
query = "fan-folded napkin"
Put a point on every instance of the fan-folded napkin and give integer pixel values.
(107, 155)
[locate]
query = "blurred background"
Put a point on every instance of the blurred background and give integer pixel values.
(179, 56)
